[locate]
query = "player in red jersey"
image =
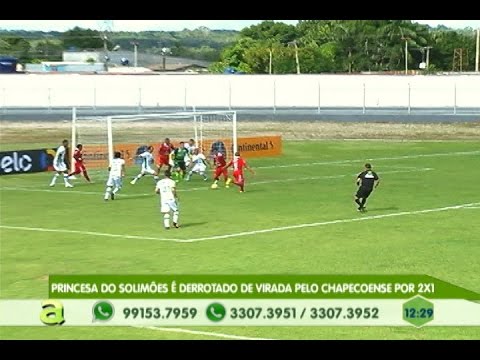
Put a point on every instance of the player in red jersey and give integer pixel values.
(79, 165)
(220, 163)
(238, 164)
(164, 155)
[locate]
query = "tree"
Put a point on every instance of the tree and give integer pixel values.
(15, 46)
(82, 39)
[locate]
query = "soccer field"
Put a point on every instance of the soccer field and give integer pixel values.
(297, 216)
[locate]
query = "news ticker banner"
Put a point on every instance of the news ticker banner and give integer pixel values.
(246, 300)
(417, 311)
(253, 287)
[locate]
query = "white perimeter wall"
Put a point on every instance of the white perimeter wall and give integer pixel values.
(232, 91)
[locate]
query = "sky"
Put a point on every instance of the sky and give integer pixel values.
(175, 25)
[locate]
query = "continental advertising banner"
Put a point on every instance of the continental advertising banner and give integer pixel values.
(96, 155)
(260, 146)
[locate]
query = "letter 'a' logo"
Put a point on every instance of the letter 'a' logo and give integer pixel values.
(52, 312)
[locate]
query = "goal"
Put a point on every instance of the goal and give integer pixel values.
(101, 136)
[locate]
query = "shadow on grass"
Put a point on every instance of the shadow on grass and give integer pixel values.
(192, 224)
(382, 209)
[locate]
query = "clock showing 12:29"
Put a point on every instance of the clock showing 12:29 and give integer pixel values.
(421, 313)
(418, 311)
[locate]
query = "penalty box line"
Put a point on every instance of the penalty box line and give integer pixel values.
(248, 233)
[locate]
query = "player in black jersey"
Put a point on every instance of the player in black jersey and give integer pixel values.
(367, 180)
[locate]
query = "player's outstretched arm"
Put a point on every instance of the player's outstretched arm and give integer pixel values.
(228, 165)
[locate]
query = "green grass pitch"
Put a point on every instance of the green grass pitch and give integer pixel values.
(312, 182)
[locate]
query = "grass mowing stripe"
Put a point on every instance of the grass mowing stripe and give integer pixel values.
(247, 233)
(31, 189)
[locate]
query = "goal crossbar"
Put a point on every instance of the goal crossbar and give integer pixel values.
(206, 126)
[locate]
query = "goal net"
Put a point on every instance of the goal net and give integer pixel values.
(131, 134)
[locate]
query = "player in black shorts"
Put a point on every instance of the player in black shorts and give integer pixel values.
(366, 180)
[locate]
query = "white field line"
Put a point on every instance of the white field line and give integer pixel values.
(197, 332)
(340, 221)
(339, 162)
(91, 233)
(370, 159)
(80, 192)
(472, 207)
(253, 232)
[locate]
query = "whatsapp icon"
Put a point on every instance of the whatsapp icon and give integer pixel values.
(103, 311)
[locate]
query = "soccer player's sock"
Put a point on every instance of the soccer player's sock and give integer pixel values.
(54, 179)
(65, 180)
(117, 189)
(204, 176)
(364, 201)
(229, 180)
(215, 181)
(189, 175)
(242, 185)
(358, 202)
(85, 175)
(175, 217)
(155, 177)
(107, 192)
(135, 179)
(166, 220)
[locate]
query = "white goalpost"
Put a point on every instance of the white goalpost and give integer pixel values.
(101, 136)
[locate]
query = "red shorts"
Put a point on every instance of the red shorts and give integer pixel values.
(238, 176)
(163, 160)
(219, 171)
(79, 167)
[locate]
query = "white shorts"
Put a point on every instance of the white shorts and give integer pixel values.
(148, 170)
(169, 205)
(60, 167)
(114, 181)
(199, 168)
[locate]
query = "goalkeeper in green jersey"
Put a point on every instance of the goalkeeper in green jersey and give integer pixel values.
(179, 165)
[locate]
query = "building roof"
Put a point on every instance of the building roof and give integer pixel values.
(177, 67)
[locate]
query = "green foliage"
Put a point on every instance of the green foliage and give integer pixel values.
(348, 46)
(15, 46)
(82, 39)
(323, 45)
(431, 69)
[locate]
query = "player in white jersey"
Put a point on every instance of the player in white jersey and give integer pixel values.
(190, 146)
(168, 200)
(60, 166)
(147, 161)
(198, 166)
(116, 172)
